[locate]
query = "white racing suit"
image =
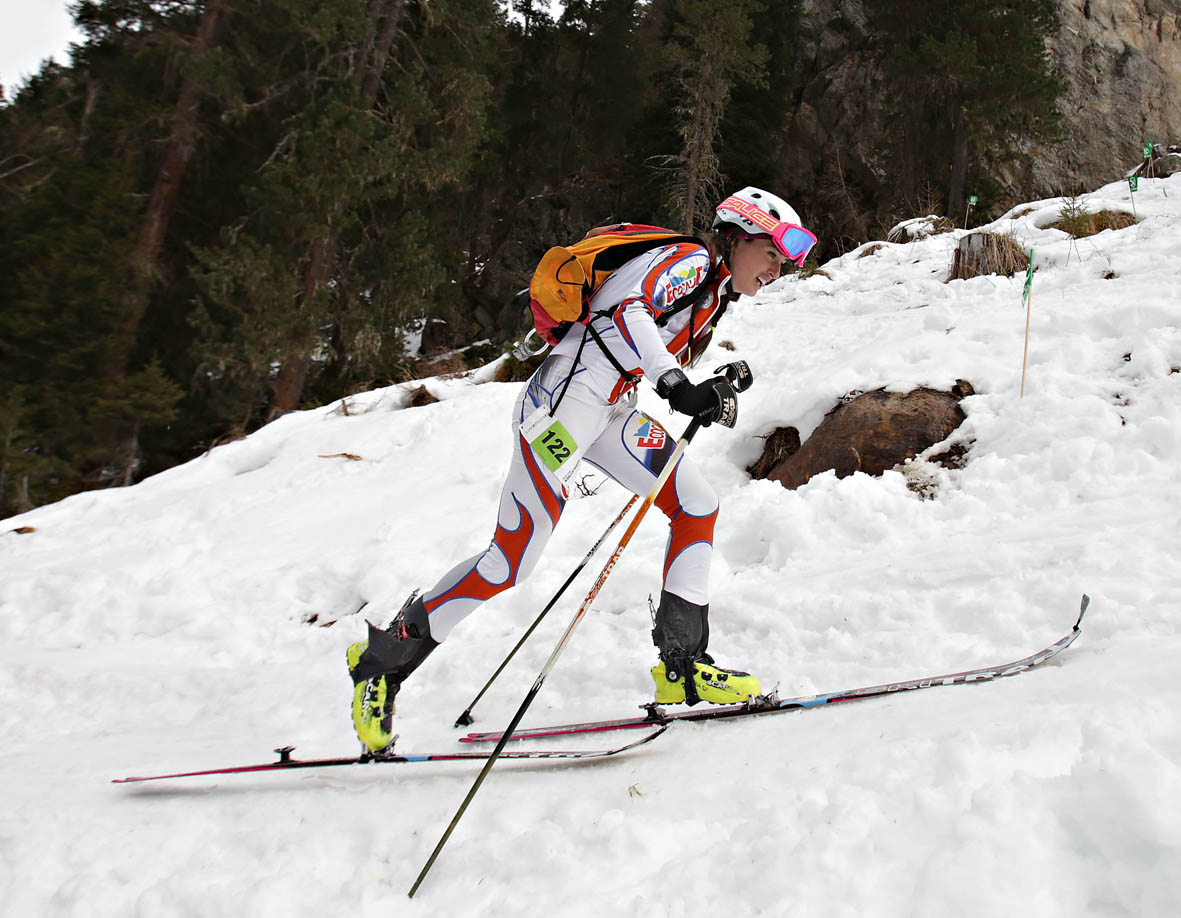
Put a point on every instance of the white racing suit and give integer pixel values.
(595, 406)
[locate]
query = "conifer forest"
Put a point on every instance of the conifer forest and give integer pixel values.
(224, 210)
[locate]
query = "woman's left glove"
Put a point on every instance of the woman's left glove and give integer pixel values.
(709, 401)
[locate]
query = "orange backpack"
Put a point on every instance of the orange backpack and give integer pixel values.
(568, 276)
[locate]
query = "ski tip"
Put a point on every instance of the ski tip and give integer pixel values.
(1086, 601)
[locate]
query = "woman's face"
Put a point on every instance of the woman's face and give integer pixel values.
(754, 263)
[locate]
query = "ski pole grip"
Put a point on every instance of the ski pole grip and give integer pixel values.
(738, 373)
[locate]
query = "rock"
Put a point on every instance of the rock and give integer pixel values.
(919, 228)
(872, 433)
(1162, 164)
(420, 397)
(1120, 60)
(781, 444)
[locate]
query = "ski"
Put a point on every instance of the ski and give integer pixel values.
(656, 716)
(287, 763)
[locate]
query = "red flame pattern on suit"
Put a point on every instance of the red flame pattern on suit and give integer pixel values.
(685, 530)
(512, 543)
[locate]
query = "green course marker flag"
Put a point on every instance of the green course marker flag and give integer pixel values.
(1133, 182)
(1026, 298)
(1148, 151)
(972, 199)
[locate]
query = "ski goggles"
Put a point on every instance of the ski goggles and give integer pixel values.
(794, 242)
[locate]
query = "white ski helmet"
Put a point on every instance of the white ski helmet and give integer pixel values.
(763, 200)
(759, 212)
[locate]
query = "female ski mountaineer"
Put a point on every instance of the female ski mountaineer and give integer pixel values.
(586, 392)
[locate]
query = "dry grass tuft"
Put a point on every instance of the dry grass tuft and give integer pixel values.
(979, 254)
(514, 370)
(1088, 224)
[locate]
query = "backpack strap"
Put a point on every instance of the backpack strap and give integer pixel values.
(589, 330)
(573, 369)
(624, 374)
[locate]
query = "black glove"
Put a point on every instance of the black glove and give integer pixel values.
(739, 373)
(712, 400)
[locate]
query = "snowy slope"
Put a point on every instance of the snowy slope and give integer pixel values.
(166, 626)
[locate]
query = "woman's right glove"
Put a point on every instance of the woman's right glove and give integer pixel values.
(709, 401)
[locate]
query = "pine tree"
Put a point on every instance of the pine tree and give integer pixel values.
(712, 47)
(338, 244)
(222, 211)
(754, 128)
(966, 81)
(66, 231)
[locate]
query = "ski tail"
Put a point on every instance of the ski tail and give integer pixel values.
(286, 763)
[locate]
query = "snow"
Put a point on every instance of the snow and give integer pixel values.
(168, 626)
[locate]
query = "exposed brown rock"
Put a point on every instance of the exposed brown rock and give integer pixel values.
(419, 397)
(781, 444)
(871, 433)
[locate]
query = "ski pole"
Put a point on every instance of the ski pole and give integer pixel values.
(692, 429)
(465, 718)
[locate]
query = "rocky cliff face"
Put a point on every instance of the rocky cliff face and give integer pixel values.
(1121, 60)
(838, 122)
(1122, 63)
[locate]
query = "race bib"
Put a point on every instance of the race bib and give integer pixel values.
(552, 443)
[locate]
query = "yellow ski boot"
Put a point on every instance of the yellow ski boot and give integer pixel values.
(681, 632)
(373, 705)
(711, 683)
(380, 664)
